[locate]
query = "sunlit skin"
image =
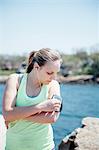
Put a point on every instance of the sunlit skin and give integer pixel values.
(44, 74)
(49, 71)
(41, 75)
(37, 77)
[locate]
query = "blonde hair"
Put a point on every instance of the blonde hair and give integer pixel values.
(42, 56)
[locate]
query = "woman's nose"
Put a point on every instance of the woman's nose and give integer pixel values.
(53, 76)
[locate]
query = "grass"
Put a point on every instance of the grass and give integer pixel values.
(6, 72)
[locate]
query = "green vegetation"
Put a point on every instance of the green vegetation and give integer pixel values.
(6, 72)
(10, 64)
(82, 63)
(76, 64)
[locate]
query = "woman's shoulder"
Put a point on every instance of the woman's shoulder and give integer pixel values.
(14, 79)
(54, 88)
(54, 83)
(14, 75)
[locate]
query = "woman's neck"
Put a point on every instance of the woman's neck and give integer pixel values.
(32, 80)
(33, 86)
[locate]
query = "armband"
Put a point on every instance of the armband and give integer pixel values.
(59, 98)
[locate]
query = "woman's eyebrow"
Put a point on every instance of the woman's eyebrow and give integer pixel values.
(50, 72)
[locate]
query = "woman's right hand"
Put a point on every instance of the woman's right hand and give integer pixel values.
(50, 105)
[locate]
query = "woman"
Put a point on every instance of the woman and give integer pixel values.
(28, 103)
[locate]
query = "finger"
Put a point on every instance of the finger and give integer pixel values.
(53, 113)
(57, 105)
(58, 101)
(57, 109)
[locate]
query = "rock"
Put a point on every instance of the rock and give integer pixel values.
(97, 80)
(75, 79)
(68, 142)
(85, 138)
(88, 137)
(80, 79)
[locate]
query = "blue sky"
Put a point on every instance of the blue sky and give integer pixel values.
(27, 25)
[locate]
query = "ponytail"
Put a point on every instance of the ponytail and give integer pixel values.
(30, 62)
(42, 57)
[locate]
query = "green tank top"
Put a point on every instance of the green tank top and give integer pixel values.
(27, 135)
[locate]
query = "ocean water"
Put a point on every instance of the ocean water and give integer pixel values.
(79, 101)
(2, 87)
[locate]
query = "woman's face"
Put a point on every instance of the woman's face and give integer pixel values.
(49, 71)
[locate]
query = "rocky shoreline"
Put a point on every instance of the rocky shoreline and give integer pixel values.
(84, 138)
(80, 79)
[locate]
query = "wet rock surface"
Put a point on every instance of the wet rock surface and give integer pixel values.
(84, 138)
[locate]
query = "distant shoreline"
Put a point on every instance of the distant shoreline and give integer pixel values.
(80, 79)
(3, 79)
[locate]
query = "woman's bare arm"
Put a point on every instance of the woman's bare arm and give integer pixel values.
(49, 117)
(44, 117)
(11, 112)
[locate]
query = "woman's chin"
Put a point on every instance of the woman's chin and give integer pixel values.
(47, 82)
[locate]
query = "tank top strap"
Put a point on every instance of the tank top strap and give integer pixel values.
(22, 81)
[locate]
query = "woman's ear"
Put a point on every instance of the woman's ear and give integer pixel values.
(36, 66)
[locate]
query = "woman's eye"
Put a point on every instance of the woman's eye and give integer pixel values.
(49, 73)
